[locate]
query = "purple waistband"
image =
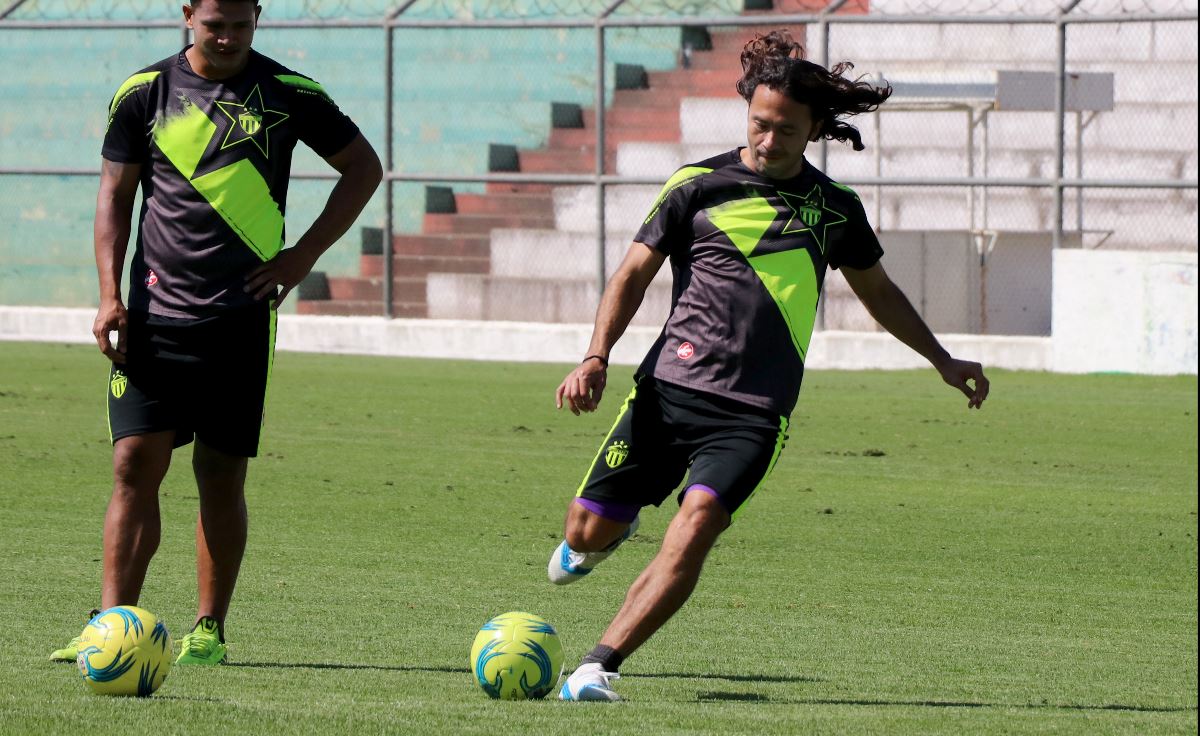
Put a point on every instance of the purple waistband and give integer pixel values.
(612, 511)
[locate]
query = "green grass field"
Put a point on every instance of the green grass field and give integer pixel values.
(909, 568)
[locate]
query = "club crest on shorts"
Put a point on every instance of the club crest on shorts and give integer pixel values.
(616, 453)
(118, 384)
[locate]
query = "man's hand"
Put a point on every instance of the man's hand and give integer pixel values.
(111, 317)
(583, 387)
(961, 374)
(287, 269)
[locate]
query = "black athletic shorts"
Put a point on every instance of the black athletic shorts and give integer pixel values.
(726, 448)
(205, 378)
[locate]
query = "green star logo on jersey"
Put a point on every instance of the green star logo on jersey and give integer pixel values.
(810, 210)
(250, 121)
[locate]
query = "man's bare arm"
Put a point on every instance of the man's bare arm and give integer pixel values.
(110, 235)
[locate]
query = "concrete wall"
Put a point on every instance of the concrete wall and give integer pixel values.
(960, 283)
(1123, 311)
(1127, 312)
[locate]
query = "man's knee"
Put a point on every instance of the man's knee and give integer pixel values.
(218, 471)
(703, 514)
(140, 462)
(694, 530)
(590, 532)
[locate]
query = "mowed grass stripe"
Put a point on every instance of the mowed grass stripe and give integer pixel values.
(909, 567)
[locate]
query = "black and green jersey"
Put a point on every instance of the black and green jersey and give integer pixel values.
(748, 256)
(216, 158)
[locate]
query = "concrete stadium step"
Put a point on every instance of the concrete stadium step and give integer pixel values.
(626, 206)
(663, 100)
(644, 111)
(553, 254)
(464, 224)
(563, 160)
(712, 120)
(797, 7)
(662, 159)
(536, 205)
(667, 130)
(361, 289)
(485, 297)
(457, 245)
(413, 266)
(1005, 46)
(360, 309)
(697, 82)
(531, 190)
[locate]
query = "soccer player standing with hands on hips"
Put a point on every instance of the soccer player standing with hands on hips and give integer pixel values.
(208, 134)
(749, 234)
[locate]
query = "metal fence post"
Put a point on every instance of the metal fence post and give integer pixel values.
(388, 162)
(601, 149)
(1060, 119)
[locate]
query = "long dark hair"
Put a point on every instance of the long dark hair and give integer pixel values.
(777, 61)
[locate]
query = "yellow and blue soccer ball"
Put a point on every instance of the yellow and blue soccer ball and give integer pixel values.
(517, 656)
(124, 650)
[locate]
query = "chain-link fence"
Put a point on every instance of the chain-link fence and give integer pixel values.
(1017, 126)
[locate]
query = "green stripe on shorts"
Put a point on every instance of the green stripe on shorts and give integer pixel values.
(624, 408)
(779, 440)
(270, 367)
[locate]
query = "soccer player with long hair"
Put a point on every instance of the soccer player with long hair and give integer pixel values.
(749, 234)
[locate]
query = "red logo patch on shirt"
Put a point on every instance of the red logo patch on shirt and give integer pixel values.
(685, 350)
(151, 278)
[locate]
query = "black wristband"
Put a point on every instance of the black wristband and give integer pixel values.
(603, 360)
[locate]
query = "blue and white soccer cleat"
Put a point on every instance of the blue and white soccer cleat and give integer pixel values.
(589, 682)
(566, 565)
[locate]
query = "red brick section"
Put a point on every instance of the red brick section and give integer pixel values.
(461, 242)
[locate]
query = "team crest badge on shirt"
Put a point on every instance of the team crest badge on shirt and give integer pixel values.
(118, 384)
(809, 215)
(685, 350)
(616, 453)
(250, 120)
(151, 278)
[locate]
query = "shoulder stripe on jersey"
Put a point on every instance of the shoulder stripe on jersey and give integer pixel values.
(678, 179)
(131, 85)
(845, 188)
(303, 83)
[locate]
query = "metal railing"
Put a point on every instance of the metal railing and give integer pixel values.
(603, 22)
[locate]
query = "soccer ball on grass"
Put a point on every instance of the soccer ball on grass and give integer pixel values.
(124, 650)
(517, 656)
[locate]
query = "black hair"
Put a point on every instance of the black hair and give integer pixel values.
(777, 61)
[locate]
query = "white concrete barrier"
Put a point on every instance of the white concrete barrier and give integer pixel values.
(1130, 312)
(531, 342)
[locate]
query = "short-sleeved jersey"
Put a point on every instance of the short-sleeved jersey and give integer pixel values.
(748, 256)
(216, 158)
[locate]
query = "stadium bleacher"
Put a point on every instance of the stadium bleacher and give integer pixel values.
(473, 100)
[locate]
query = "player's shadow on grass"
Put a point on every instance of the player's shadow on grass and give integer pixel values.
(978, 704)
(730, 678)
(343, 666)
(716, 696)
